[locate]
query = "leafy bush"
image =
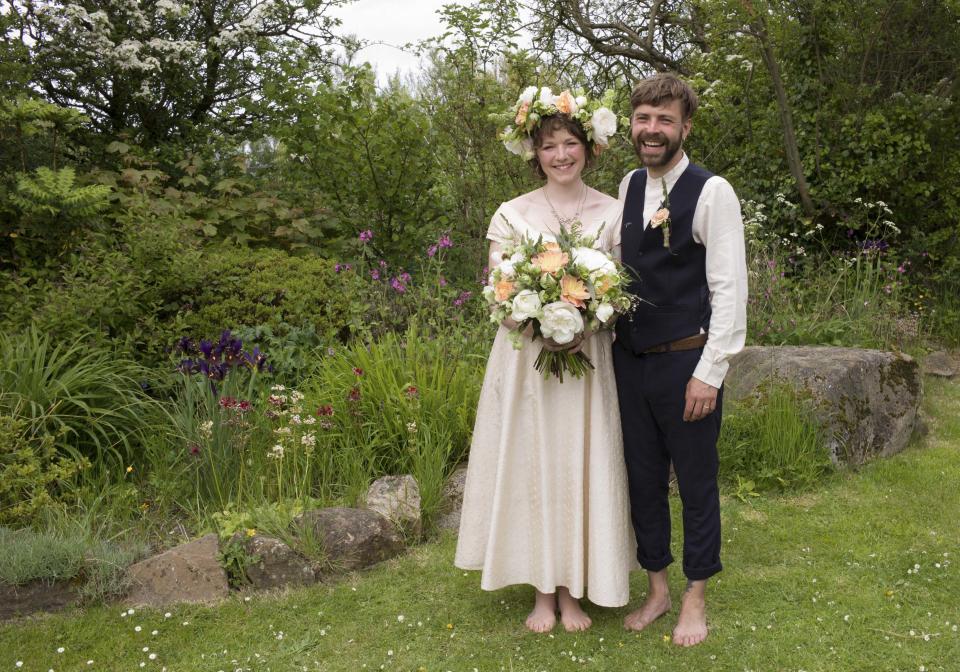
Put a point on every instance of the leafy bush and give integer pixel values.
(282, 295)
(83, 395)
(30, 472)
(773, 441)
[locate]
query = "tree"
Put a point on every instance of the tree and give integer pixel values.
(166, 68)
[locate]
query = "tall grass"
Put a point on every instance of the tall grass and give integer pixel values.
(773, 441)
(88, 398)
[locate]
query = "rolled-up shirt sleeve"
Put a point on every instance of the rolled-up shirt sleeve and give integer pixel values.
(718, 226)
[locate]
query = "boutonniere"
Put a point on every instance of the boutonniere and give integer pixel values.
(661, 218)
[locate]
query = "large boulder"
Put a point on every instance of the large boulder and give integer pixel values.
(188, 573)
(452, 500)
(397, 498)
(276, 565)
(868, 400)
(36, 596)
(352, 538)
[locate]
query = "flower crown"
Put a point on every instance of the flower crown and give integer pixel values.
(598, 121)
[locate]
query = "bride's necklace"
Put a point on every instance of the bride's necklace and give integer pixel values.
(565, 222)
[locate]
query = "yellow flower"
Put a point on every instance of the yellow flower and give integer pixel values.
(550, 261)
(129, 469)
(573, 291)
(449, 626)
(251, 531)
(666, 638)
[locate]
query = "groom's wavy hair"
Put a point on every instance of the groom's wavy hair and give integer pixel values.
(660, 89)
(558, 122)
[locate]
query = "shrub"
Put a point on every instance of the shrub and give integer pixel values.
(773, 440)
(26, 555)
(98, 566)
(30, 472)
(300, 301)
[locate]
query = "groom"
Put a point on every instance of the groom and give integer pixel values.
(683, 236)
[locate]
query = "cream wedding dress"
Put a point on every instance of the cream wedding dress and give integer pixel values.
(546, 500)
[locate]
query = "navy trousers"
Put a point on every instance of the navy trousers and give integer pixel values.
(651, 389)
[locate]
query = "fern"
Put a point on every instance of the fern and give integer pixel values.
(54, 193)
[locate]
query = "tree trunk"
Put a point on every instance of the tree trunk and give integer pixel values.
(786, 118)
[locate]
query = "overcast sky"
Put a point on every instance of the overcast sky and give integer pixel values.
(392, 23)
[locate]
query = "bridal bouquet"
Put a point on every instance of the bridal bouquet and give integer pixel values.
(562, 289)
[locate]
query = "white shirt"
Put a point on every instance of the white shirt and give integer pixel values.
(718, 226)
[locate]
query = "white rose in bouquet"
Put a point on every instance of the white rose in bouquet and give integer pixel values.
(596, 262)
(561, 321)
(506, 268)
(516, 258)
(526, 304)
(489, 293)
(604, 123)
(604, 312)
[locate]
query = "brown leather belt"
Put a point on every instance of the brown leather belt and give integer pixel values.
(688, 343)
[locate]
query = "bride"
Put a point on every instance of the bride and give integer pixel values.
(546, 501)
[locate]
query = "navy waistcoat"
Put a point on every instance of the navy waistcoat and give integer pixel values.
(671, 283)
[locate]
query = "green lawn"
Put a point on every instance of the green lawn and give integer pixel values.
(863, 574)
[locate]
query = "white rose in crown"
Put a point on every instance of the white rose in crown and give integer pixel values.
(546, 96)
(515, 146)
(560, 321)
(604, 312)
(604, 123)
(527, 146)
(528, 94)
(526, 304)
(596, 262)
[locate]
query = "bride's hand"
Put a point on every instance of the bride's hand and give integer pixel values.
(573, 347)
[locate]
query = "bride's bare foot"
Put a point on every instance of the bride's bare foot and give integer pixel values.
(692, 625)
(544, 614)
(572, 616)
(656, 605)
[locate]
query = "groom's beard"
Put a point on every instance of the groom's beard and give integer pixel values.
(670, 149)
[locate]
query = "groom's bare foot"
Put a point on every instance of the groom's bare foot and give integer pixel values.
(572, 616)
(692, 625)
(655, 606)
(544, 614)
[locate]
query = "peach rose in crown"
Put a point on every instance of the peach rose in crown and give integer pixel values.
(659, 217)
(573, 291)
(551, 246)
(503, 290)
(550, 261)
(566, 104)
(522, 114)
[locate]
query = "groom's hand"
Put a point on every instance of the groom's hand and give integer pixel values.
(701, 400)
